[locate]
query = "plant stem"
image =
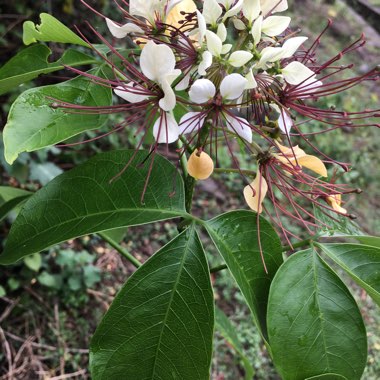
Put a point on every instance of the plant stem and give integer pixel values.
(238, 171)
(218, 268)
(120, 249)
(189, 180)
(183, 159)
(297, 245)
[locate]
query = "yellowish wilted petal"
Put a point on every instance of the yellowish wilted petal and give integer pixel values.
(313, 163)
(255, 193)
(335, 202)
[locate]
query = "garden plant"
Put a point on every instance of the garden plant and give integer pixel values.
(195, 81)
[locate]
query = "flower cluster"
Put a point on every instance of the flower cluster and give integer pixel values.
(228, 70)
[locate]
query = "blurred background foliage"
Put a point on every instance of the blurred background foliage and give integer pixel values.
(51, 303)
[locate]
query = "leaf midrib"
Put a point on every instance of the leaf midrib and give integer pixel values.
(186, 252)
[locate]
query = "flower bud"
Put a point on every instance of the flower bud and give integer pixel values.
(200, 165)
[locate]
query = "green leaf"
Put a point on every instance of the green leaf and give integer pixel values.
(235, 234)
(83, 201)
(33, 124)
(227, 329)
(368, 240)
(50, 280)
(91, 275)
(3, 292)
(8, 193)
(50, 30)
(333, 224)
(10, 198)
(33, 61)
(33, 262)
(314, 324)
(160, 325)
(361, 262)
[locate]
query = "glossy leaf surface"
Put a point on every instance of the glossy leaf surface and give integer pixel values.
(235, 234)
(361, 262)
(10, 198)
(33, 61)
(34, 124)
(160, 325)
(50, 30)
(83, 201)
(314, 324)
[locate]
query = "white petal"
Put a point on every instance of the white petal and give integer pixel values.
(238, 24)
(308, 87)
(130, 93)
(222, 32)
(146, 9)
(167, 103)
(239, 126)
(256, 30)
(275, 25)
(184, 83)
(226, 3)
(156, 61)
(226, 48)
(268, 5)
(269, 54)
(296, 73)
(285, 122)
(202, 91)
(191, 122)
(165, 129)
(202, 27)
(171, 4)
(232, 86)
(251, 81)
(291, 46)
(214, 43)
(234, 10)
(122, 31)
(211, 11)
(251, 10)
(205, 63)
(239, 58)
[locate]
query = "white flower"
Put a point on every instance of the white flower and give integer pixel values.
(149, 10)
(203, 90)
(272, 54)
(157, 63)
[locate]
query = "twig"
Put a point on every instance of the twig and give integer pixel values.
(69, 375)
(8, 353)
(9, 309)
(120, 249)
(45, 346)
